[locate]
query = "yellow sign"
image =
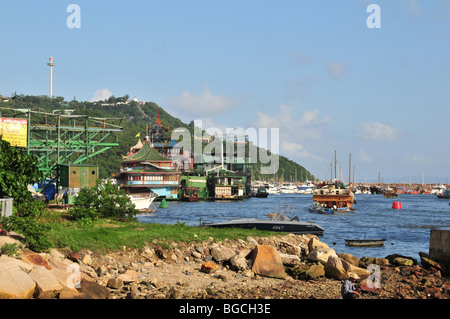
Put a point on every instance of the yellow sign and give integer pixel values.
(14, 131)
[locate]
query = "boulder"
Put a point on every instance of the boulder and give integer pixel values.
(46, 284)
(221, 253)
(350, 259)
(315, 271)
(115, 283)
(314, 243)
(334, 268)
(290, 259)
(400, 261)
(15, 283)
(129, 276)
(321, 255)
(391, 259)
(267, 262)
(239, 262)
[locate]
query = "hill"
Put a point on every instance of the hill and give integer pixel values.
(136, 117)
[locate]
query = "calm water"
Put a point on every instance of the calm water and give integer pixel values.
(407, 231)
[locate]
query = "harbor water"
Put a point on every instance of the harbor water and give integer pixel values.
(407, 230)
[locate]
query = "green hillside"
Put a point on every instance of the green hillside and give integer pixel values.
(135, 120)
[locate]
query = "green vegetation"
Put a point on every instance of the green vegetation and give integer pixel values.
(136, 118)
(17, 170)
(102, 201)
(113, 234)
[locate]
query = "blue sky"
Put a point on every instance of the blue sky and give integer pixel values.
(313, 69)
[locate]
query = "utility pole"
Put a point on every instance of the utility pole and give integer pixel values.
(51, 65)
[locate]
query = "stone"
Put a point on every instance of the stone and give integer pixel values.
(129, 276)
(315, 271)
(350, 259)
(314, 243)
(252, 241)
(15, 283)
(239, 262)
(209, 267)
(321, 255)
(87, 260)
(47, 285)
(35, 259)
(221, 253)
(290, 259)
(267, 262)
(26, 267)
(400, 261)
(115, 283)
(334, 268)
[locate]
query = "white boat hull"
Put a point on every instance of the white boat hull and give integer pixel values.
(142, 201)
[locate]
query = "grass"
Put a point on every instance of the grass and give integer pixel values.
(106, 234)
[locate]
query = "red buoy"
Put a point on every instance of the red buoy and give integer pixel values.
(397, 205)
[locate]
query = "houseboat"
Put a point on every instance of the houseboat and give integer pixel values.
(146, 171)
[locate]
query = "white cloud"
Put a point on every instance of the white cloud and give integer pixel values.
(363, 157)
(335, 69)
(101, 95)
(377, 132)
(294, 129)
(204, 104)
(418, 159)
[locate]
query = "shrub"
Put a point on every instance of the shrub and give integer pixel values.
(102, 201)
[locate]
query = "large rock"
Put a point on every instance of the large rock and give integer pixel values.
(321, 255)
(315, 271)
(47, 285)
(290, 259)
(221, 253)
(34, 259)
(335, 269)
(267, 262)
(15, 283)
(314, 243)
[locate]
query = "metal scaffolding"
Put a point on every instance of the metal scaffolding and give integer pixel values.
(56, 138)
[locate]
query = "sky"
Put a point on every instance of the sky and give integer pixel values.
(344, 76)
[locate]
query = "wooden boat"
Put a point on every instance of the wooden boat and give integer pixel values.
(365, 242)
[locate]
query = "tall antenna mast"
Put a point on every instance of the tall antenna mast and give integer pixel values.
(51, 64)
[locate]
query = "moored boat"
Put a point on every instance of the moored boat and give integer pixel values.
(279, 223)
(365, 242)
(445, 194)
(334, 196)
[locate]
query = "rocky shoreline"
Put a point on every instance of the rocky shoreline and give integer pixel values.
(281, 267)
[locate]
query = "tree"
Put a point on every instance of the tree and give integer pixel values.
(17, 170)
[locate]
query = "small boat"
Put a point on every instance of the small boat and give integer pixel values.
(262, 192)
(318, 209)
(190, 194)
(365, 242)
(278, 222)
(445, 194)
(143, 201)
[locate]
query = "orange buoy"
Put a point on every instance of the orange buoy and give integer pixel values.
(397, 205)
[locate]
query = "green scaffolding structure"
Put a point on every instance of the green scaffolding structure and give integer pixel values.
(61, 138)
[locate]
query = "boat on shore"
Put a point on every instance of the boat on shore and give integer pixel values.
(278, 222)
(365, 242)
